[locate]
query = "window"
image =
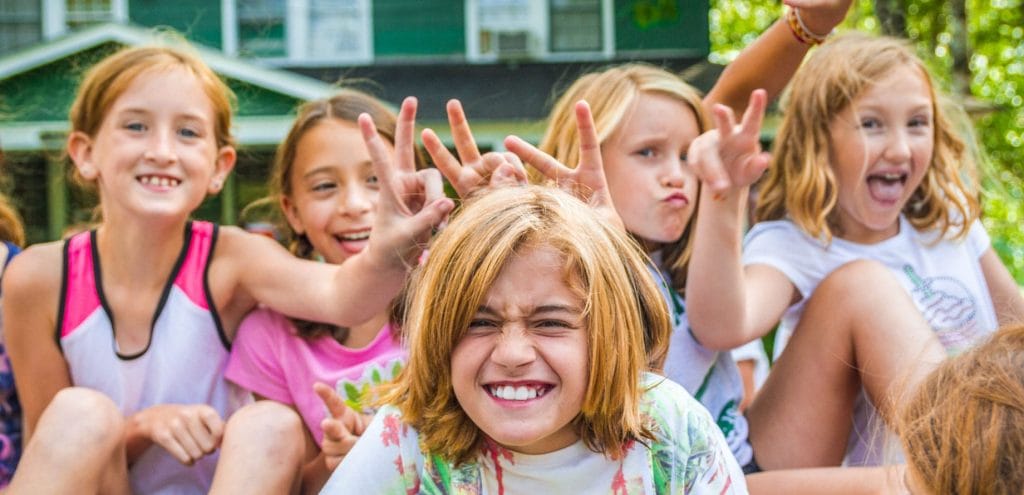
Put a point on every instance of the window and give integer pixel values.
(261, 28)
(576, 26)
(79, 13)
(20, 24)
(338, 29)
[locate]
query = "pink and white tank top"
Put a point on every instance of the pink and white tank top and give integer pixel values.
(182, 364)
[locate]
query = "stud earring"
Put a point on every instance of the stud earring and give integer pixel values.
(215, 184)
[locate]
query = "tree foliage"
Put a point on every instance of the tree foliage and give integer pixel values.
(974, 48)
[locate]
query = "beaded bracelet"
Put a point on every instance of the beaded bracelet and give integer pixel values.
(800, 30)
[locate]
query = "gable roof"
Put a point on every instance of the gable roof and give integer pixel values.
(250, 129)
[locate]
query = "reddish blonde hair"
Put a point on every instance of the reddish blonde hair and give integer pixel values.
(626, 317)
(111, 77)
(800, 184)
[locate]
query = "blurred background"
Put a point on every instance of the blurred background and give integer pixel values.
(505, 59)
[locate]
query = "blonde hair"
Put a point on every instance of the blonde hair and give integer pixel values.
(106, 81)
(800, 183)
(626, 317)
(963, 428)
(11, 228)
(612, 95)
(346, 105)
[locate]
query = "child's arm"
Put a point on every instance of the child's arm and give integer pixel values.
(410, 205)
(476, 171)
(1006, 294)
(31, 288)
(728, 304)
(772, 59)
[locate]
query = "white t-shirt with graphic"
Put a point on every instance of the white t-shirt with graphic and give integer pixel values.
(942, 276)
(689, 456)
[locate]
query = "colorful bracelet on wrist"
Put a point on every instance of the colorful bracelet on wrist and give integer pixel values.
(800, 30)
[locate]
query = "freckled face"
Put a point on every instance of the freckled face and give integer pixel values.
(520, 372)
(654, 190)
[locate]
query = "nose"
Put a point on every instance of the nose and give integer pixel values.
(161, 149)
(897, 149)
(673, 174)
(514, 349)
(355, 201)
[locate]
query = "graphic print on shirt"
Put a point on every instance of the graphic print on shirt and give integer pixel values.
(948, 307)
(359, 394)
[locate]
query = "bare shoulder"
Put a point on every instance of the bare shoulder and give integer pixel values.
(31, 288)
(37, 270)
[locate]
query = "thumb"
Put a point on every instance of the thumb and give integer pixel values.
(430, 216)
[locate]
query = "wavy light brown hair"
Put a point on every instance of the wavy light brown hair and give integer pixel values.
(11, 229)
(626, 317)
(106, 81)
(346, 105)
(800, 183)
(963, 428)
(612, 95)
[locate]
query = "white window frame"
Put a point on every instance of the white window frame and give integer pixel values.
(539, 29)
(297, 14)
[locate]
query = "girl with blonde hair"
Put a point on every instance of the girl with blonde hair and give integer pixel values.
(867, 247)
(530, 326)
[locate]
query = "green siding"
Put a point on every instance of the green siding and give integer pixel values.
(419, 27)
(662, 25)
(46, 93)
(199, 20)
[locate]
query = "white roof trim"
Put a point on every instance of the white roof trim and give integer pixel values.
(288, 83)
(248, 131)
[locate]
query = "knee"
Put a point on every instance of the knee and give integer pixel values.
(862, 281)
(82, 414)
(276, 427)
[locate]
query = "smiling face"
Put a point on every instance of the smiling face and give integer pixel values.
(334, 190)
(881, 147)
(654, 190)
(155, 152)
(520, 371)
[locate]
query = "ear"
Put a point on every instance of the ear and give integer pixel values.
(80, 150)
(226, 157)
(291, 213)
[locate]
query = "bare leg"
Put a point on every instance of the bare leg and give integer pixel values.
(859, 328)
(262, 452)
(77, 448)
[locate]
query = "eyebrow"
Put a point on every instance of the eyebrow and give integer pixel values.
(547, 308)
(144, 111)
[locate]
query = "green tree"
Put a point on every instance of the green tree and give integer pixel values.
(974, 48)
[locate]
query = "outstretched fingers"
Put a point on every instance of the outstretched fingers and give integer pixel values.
(462, 135)
(543, 162)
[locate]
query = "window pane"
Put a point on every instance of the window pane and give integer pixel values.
(575, 25)
(261, 28)
(337, 29)
(20, 24)
(84, 12)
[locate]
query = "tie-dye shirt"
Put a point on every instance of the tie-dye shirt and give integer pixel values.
(689, 456)
(10, 408)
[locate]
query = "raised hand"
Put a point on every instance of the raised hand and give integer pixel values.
(475, 171)
(587, 181)
(342, 427)
(189, 432)
(730, 156)
(411, 202)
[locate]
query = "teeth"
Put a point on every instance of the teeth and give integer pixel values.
(158, 181)
(355, 237)
(508, 392)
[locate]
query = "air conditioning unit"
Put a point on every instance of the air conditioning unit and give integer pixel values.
(512, 43)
